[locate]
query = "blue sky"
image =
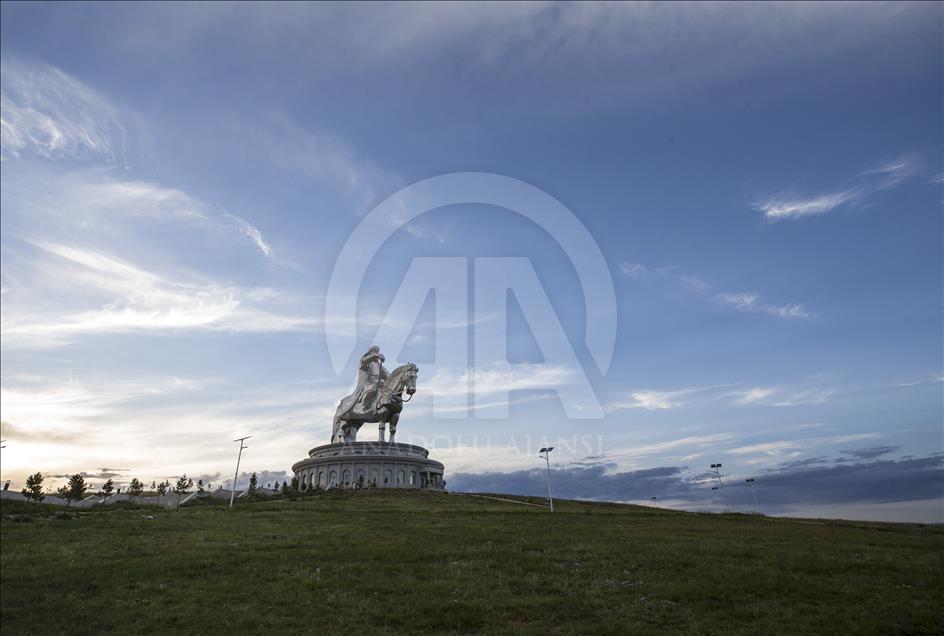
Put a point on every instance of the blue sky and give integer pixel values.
(764, 182)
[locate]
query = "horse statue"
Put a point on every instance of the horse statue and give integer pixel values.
(377, 398)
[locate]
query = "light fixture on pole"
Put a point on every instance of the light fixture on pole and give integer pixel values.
(547, 458)
(717, 469)
(232, 495)
(750, 482)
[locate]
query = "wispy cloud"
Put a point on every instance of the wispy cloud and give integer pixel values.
(97, 202)
(749, 301)
(62, 425)
(130, 298)
(652, 400)
(782, 396)
(741, 301)
(50, 114)
(326, 158)
(933, 379)
(768, 448)
(253, 233)
(633, 270)
(781, 206)
(497, 379)
(754, 396)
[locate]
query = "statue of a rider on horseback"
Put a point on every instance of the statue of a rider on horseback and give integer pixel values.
(377, 398)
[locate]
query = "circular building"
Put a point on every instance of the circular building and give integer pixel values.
(369, 465)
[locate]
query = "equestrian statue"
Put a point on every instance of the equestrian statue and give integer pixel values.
(377, 398)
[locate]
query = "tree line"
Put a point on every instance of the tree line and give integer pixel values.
(77, 488)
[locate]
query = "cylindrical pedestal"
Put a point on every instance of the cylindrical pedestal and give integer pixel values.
(369, 465)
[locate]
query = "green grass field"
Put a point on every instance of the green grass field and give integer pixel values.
(457, 564)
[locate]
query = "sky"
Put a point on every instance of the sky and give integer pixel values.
(745, 266)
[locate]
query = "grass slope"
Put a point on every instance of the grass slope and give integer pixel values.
(453, 563)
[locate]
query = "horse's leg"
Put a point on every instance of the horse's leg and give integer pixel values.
(381, 429)
(336, 429)
(393, 425)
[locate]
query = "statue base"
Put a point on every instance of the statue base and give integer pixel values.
(355, 465)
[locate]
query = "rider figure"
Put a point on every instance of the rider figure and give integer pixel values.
(371, 376)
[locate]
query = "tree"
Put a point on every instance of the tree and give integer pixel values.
(34, 488)
(294, 483)
(75, 489)
(163, 487)
(284, 488)
(184, 484)
(253, 483)
(107, 488)
(200, 488)
(135, 487)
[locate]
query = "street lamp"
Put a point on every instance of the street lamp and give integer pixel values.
(232, 495)
(720, 488)
(750, 482)
(547, 458)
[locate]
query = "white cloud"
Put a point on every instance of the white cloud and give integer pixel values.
(782, 396)
(742, 301)
(683, 448)
(253, 233)
(789, 449)
(783, 207)
(633, 270)
(767, 448)
(889, 175)
(100, 293)
(814, 395)
(327, 158)
(739, 301)
(498, 378)
(748, 301)
(753, 396)
(94, 202)
(47, 113)
(68, 424)
(651, 400)
(788, 311)
(928, 380)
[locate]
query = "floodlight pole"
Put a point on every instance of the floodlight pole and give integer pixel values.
(751, 483)
(232, 494)
(547, 458)
(717, 469)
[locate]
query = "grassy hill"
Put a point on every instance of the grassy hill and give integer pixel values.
(454, 563)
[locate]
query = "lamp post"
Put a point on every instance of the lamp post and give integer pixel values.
(717, 469)
(750, 482)
(232, 495)
(547, 458)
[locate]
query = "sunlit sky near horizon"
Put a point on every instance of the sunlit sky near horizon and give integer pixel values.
(764, 182)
